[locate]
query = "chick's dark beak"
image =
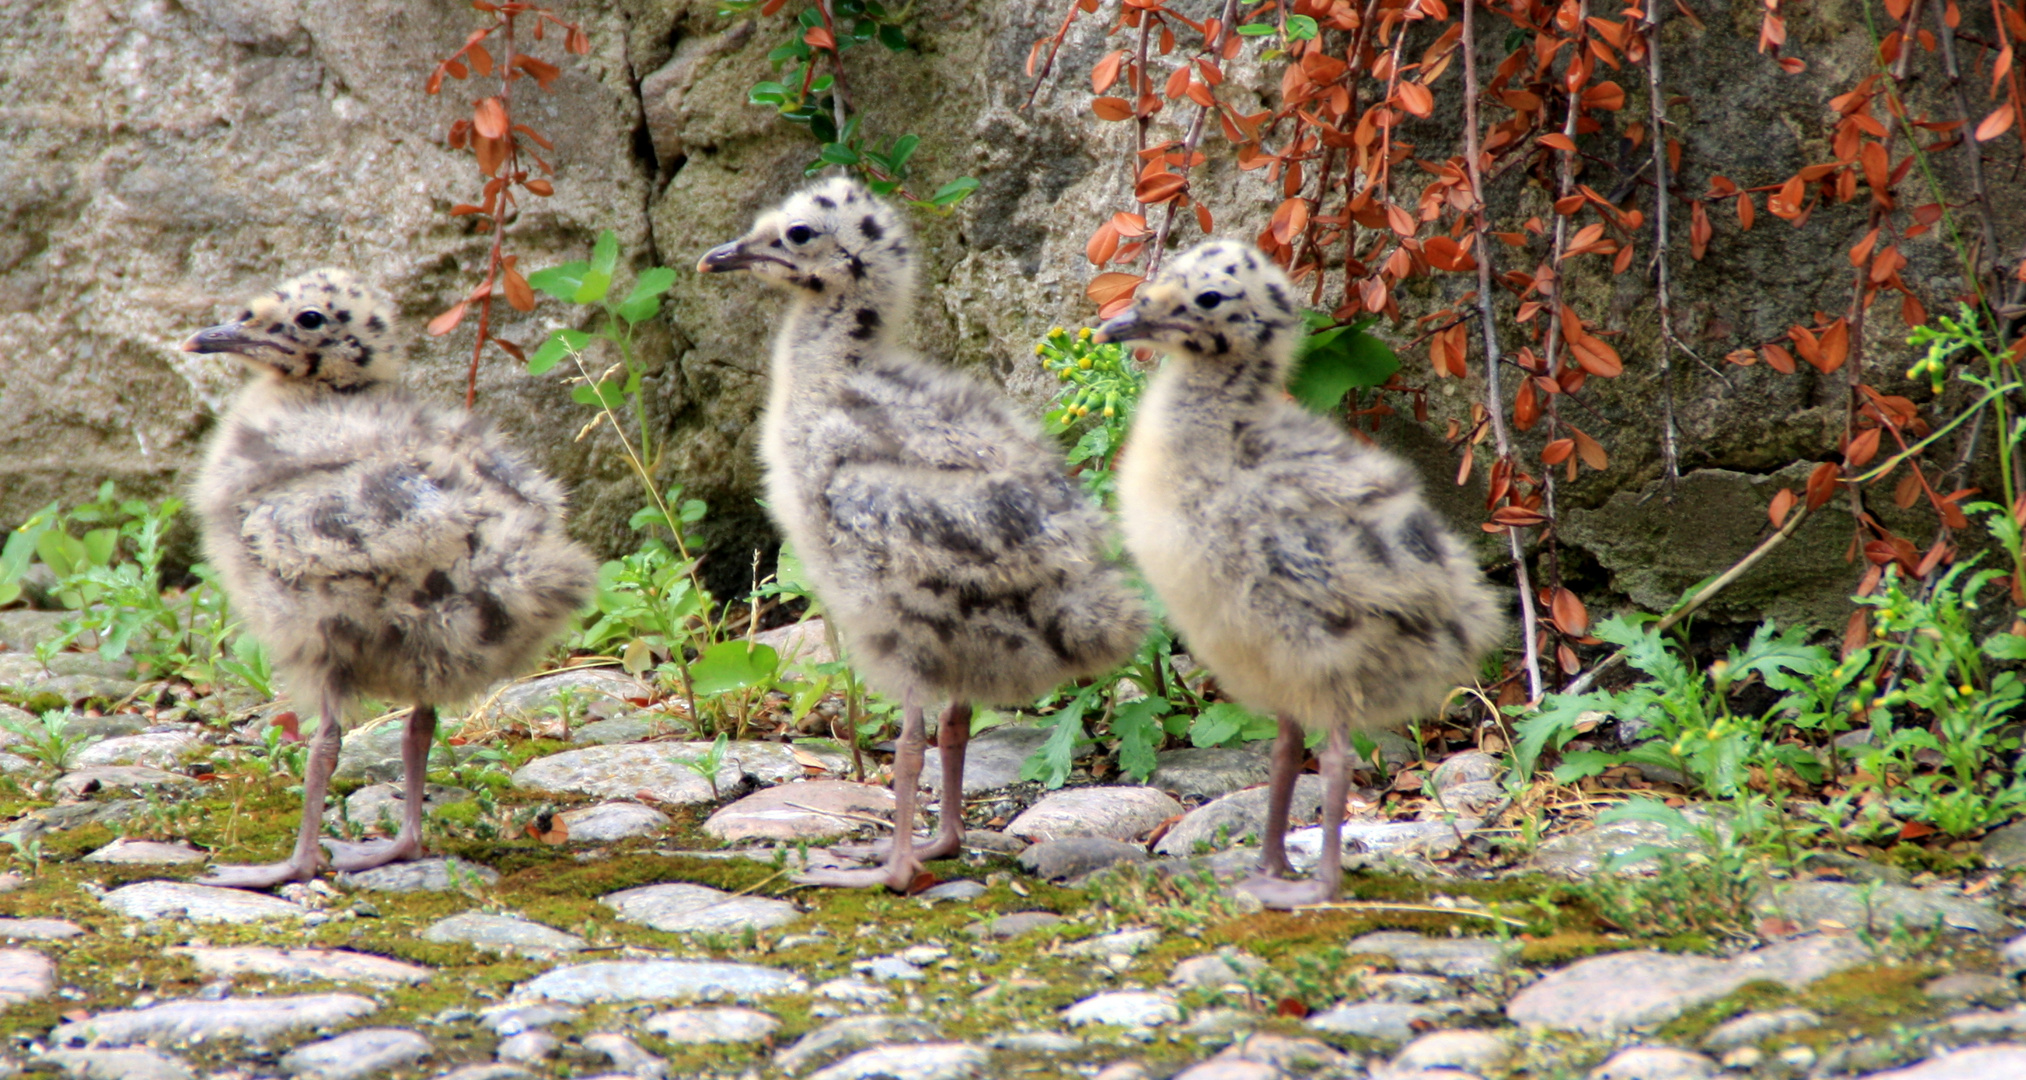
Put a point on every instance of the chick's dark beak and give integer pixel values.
(226, 338)
(1131, 326)
(732, 256)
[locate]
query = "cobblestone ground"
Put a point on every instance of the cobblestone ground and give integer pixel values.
(605, 903)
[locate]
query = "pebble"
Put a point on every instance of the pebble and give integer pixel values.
(421, 875)
(381, 805)
(373, 755)
(1969, 986)
(855, 992)
(1287, 1053)
(1124, 1008)
(1221, 968)
(1987, 1023)
(1076, 856)
(1469, 1051)
(1035, 1042)
(609, 822)
(809, 810)
(38, 929)
(1207, 772)
(2003, 1062)
(626, 1055)
(152, 900)
(2012, 958)
(1237, 817)
(129, 852)
(634, 728)
(163, 750)
(528, 1047)
(718, 1025)
(302, 965)
(356, 1054)
(1468, 767)
(254, 1020)
(503, 933)
(1130, 942)
(931, 1061)
(513, 1019)
(661, 980)
(1114, 813)
(1654, 1063)
(840, 1037)
(1432, 839)
(682, 908)
(1877, 908)
(993, 758)
(25, 975)
(488, 1072)
(1383, 1020)
(585, 685)
(1605, 995)
(119, 1065)
(1222, 1068)
(2004, 848)
(659, 771)
(962, 890)
(1019, 922)
(1223, 1023)
(1758, 1027)
(803, 644)
(79, 783)
(1453, 957)
(1588, 851)
(1410, 988)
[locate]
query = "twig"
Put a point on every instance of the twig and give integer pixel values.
(1670, 454)
(507, 169)
(840, 94)
(1973, 153)
(1048, 65)
(1480, 230)
(1691, 605)
(1195, 135)
(1423, 909)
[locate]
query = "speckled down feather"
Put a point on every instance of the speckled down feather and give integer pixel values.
(935, 523)
(1302, 566)
(378, 544)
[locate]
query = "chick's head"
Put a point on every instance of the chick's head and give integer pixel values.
(833, 238)
(1219, 300)
(326, 328)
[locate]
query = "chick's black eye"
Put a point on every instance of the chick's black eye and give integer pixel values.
(1208, 300)
(310, 320)
(800, 234)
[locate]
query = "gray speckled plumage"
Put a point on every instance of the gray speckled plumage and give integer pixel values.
(375, 543)
(1302, 566)
(951, 551)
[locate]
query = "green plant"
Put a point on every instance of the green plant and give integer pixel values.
(820, 102)
(47, 739)
(707, 764)
(590, 283)
(1706, 889)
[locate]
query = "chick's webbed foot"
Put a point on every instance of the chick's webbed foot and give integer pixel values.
(372, 853)
(258, 876)
(904, 878)
(1283, 895)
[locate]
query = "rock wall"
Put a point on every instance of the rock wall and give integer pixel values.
(159, 161)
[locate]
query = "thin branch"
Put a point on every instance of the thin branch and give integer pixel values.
(840, 94)
(1973, 153)
(1670, 453)
(1529, 623)
(1048, 65)
(508, 167)
(1693, 604)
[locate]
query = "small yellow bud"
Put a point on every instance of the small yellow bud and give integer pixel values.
(1083, 334)
(1966, 689)
(1084, 363)
(1040, 349)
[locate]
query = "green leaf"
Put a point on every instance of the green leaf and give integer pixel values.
(1138, 727)
(767, 93)
(1225, 723)
(1258, 29)
(100, 545)
(1998, 647)
(609, 394)
(954, 192)
(1302, 28)
(1578, 764)
(560, 344)
(598, 279)
(1334, 361)
(893, 38)
(1095, 443)
(837, 154)
(645, 299)
(903, 149)
(1050, 761)
(60, 552)
(561, 282)
(733, 665)
(1551, 727)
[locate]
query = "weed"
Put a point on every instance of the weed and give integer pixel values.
(48, 738)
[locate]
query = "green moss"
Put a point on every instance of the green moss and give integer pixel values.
(1570, 945)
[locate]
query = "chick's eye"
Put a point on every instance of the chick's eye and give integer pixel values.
(800, 234)
(310, 320)
(1208, 300)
